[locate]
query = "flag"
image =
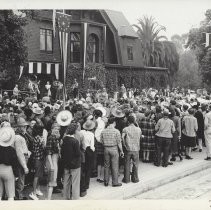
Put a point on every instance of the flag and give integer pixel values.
(208, 41)
(54, 22)
(85, 42)
(64, 29)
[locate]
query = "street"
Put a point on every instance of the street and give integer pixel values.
(195, 186)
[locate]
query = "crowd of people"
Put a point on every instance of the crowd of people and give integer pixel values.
(62, 146)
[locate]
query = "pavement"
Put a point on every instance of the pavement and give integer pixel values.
(150, 176)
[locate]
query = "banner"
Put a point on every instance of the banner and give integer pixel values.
(21, 72)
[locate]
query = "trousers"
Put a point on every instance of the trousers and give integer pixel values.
(134, 156)
(163, 146)
(71, 189)
(111, 159)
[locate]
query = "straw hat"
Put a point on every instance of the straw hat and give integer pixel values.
(102, 109)
(116, 112)
(89, 125)
(64, 118)
(21, 122)
(38, 111)
(7, 136)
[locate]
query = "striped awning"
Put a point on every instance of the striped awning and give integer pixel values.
(44, 68)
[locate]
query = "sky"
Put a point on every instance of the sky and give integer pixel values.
(178, 16)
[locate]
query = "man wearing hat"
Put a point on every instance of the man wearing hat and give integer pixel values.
(23, 155)
(89, 148)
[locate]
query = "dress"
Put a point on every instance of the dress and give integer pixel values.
(148, 131)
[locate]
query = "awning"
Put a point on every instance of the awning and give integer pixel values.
(43, 68)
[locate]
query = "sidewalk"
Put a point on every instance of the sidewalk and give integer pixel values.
(150, 177)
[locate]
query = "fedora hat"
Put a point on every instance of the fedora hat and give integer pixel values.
(64, 118)
(7, 136)
(102, 109)
(117, 112)
(21, 122)
(89, 125)
(37, 110)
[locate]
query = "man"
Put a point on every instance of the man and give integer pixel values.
(111, 140)
(15, 91)
(131, 140)
(71, 158)
(75, 89)
(200, 120)
(23, 155)
(165, 128)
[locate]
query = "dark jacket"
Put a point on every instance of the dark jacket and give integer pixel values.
(70, 153)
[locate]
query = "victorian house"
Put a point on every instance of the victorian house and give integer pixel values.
(102, 48)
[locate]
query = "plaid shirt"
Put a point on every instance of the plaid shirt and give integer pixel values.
(111, 137)
(38, 148)
(52, 145)
(131, 138)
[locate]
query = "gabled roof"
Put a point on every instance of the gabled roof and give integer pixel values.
(121, 24)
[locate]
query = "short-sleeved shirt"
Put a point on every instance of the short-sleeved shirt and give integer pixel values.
(132, 135)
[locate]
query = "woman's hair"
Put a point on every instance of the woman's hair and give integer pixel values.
(37, 130)
(71, 129)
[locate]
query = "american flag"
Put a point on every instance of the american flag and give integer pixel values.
(64, 22)
(64, 29)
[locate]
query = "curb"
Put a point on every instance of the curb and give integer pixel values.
(139, 188)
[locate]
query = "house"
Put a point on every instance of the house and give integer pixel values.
(102, 44)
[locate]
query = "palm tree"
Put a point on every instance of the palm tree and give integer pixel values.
(148, 32)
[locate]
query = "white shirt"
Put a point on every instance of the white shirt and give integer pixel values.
(89, 139)
(100, 128)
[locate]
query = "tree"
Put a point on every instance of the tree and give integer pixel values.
(196, 42)
(170, 60)
(157, 51)
(13, 51)
(148, 32)
(188, 75)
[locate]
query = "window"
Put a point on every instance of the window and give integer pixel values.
(46, 40)
(75, 47)
(130, 53)
(93, 49)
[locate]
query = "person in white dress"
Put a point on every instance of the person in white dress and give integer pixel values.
(207, 133)
(48, 88)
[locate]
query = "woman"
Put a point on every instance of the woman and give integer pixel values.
(148, 131)
(52, 152)
(189, 129)
(38, 159)
(207, 133)
(8, 162)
